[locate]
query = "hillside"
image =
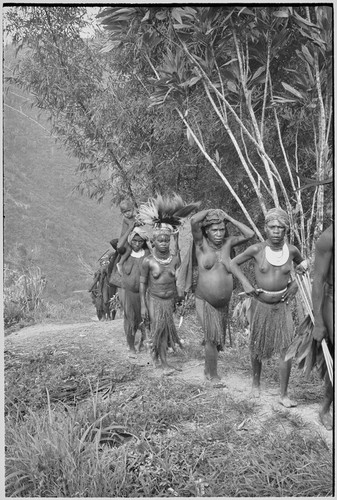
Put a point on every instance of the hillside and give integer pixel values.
(50, 223)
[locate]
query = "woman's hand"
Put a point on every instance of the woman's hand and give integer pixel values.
(144, 313)
(251, 291)
(302, 267)
(290, 292)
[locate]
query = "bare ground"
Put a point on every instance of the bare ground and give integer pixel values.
(106, 340)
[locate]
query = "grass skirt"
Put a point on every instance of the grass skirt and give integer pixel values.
(131, 307)
(271, 328)
(163, 330)
(213, 321)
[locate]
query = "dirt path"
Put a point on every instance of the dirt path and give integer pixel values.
(108, 338)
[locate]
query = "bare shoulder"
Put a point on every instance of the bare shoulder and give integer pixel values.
(325, 241)
(255, 249)
(147, 260)
(293, 249)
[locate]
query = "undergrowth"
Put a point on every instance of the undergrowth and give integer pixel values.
(153, 437)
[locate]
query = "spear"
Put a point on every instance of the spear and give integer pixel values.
(108, 250)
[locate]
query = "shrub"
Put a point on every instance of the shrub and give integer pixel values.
(23, 291)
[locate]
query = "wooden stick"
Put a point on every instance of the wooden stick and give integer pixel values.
(328, 360)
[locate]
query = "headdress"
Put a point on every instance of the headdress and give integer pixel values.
(278, 214)
(140, 232)
(165, 213)
(213, 216)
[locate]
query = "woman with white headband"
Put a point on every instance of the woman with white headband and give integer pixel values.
(134, 241)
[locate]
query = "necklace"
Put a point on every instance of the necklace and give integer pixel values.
(138, 254)
(277, 257)
(163, 261)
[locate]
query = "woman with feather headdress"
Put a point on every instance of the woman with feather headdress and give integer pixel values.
(213, 248)
(158, 278)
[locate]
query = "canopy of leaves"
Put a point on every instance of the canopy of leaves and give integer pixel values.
(263, 75)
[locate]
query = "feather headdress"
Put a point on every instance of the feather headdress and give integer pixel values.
(165, 210)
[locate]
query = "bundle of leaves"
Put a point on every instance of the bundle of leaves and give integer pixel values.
(307, 351)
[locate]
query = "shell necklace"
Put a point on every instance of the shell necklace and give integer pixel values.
(138, 254)
(277, 257)
(163, 261)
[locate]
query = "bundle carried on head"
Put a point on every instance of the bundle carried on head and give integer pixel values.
(166, 213)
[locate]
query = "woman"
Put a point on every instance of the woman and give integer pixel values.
(158, 294)
(213, 247)
(271, 324)
(129, 293)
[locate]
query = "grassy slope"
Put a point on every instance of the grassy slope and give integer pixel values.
(41, 213)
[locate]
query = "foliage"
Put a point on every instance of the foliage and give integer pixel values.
(251, 88)
(100, 111)
(132, 443)
(265, 74)
(22, 292)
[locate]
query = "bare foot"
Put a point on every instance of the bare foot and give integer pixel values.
(173, 367)
(255, 392)
(132, 353)
(214, 382)
(326, 420)
(286, 402)
(168, 371)
(156, 363)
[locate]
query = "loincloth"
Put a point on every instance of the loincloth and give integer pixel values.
(271, 328)
(162, 328)
(213, 321)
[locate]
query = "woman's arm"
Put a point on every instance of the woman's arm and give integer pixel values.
(236, 271)
(196, 221)
(144, 277)
(121, 245)
(323, 256)
(245, 230)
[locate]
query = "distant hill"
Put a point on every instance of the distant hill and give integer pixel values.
(41, 214)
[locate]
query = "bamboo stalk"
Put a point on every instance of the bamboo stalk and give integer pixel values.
(328, 360)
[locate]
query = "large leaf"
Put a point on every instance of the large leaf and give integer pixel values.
(293, 91)
(281, 13)
(258, 73)
(309, 58)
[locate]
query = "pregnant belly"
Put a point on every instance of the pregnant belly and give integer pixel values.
(214, 287)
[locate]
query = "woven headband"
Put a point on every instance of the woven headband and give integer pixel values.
(278, 214)
(213, 216)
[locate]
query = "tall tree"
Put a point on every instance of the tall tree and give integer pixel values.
(246, 63)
